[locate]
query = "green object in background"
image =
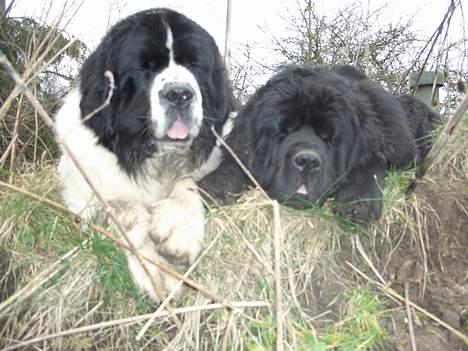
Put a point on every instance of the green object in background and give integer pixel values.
(426, 86)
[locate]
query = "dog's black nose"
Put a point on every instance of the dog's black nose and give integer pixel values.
(306, 160)
(178, 95)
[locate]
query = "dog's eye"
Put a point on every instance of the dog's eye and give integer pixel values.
(290, 128)
(153, 63)
(193, 64)
(149, 66)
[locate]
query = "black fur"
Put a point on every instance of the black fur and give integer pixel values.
(332, 131)
(134, 51)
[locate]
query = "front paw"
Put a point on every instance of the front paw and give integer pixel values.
(177, 225)
(136, 220)
(360, 211)
(158, 284)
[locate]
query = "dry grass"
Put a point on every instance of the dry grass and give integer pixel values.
(57, 276)
(325, 303)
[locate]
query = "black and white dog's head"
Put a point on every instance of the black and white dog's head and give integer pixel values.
(170, 88)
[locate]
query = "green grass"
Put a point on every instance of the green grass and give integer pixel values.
(113, 276)
(38, 228)
(357, 330)
(42, 235)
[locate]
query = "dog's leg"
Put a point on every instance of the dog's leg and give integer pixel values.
(136, 221)
(360, 197)
(177, 224)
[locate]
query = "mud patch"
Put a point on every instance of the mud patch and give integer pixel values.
(442, 251)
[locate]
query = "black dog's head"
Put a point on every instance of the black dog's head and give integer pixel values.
(299, 134)
(170, 88)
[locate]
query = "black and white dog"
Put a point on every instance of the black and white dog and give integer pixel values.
(171, 89)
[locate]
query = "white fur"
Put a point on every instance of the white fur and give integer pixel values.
(166, 218)
(99, 164)
(174, 73)
(177, 223)
(173, 227)
(162, 214)
(216, 155)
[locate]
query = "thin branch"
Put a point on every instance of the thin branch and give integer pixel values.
(136, 319)
(277, 242)
(241, 165)
(410, 318)
(432, 41)
(45, 116)
(110, 93)
(227, 38)
(368, 260)
(439, 145)
(164, 267)
(396, 295)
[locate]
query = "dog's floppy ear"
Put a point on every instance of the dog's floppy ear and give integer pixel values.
(94, 88)
(254, 139)
(217, 104)
(263, 164)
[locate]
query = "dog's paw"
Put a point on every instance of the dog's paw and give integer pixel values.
(151, 280)
(157, 285)
(177, 224)
(360, 212)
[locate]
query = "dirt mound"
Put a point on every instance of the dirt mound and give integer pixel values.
(445, 292)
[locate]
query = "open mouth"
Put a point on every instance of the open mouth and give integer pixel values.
(178, 133)
(302, 190)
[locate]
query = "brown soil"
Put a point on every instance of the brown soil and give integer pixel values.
(443, 215)
(446, 291)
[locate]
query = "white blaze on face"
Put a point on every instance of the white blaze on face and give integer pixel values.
(174, 73)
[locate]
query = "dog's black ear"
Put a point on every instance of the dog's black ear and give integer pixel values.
(217, 102)
(263, 164)
(94, 88)
(254, 139)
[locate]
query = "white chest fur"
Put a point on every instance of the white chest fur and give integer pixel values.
(99, 164)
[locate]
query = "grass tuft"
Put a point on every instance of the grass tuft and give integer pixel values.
(326, 306)
(114, 279)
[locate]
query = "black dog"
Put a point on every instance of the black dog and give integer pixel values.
(313, 133)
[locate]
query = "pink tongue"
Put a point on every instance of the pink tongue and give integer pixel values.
(178, 130)
(302, 190)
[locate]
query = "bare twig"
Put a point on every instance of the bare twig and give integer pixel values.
(432, 41)
(241, 165)
(16, 132)
(410, 318)
(164, 267)
(438, 146)
(136, 319)
(393, 293)
(277, 240)
(41, 278)
(227, 38)
(45, 116)
(368, 260)
(409, 272)
(110, 93)
(227, 331)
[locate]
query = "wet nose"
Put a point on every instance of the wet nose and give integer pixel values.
(178, 95)
(306, 160)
